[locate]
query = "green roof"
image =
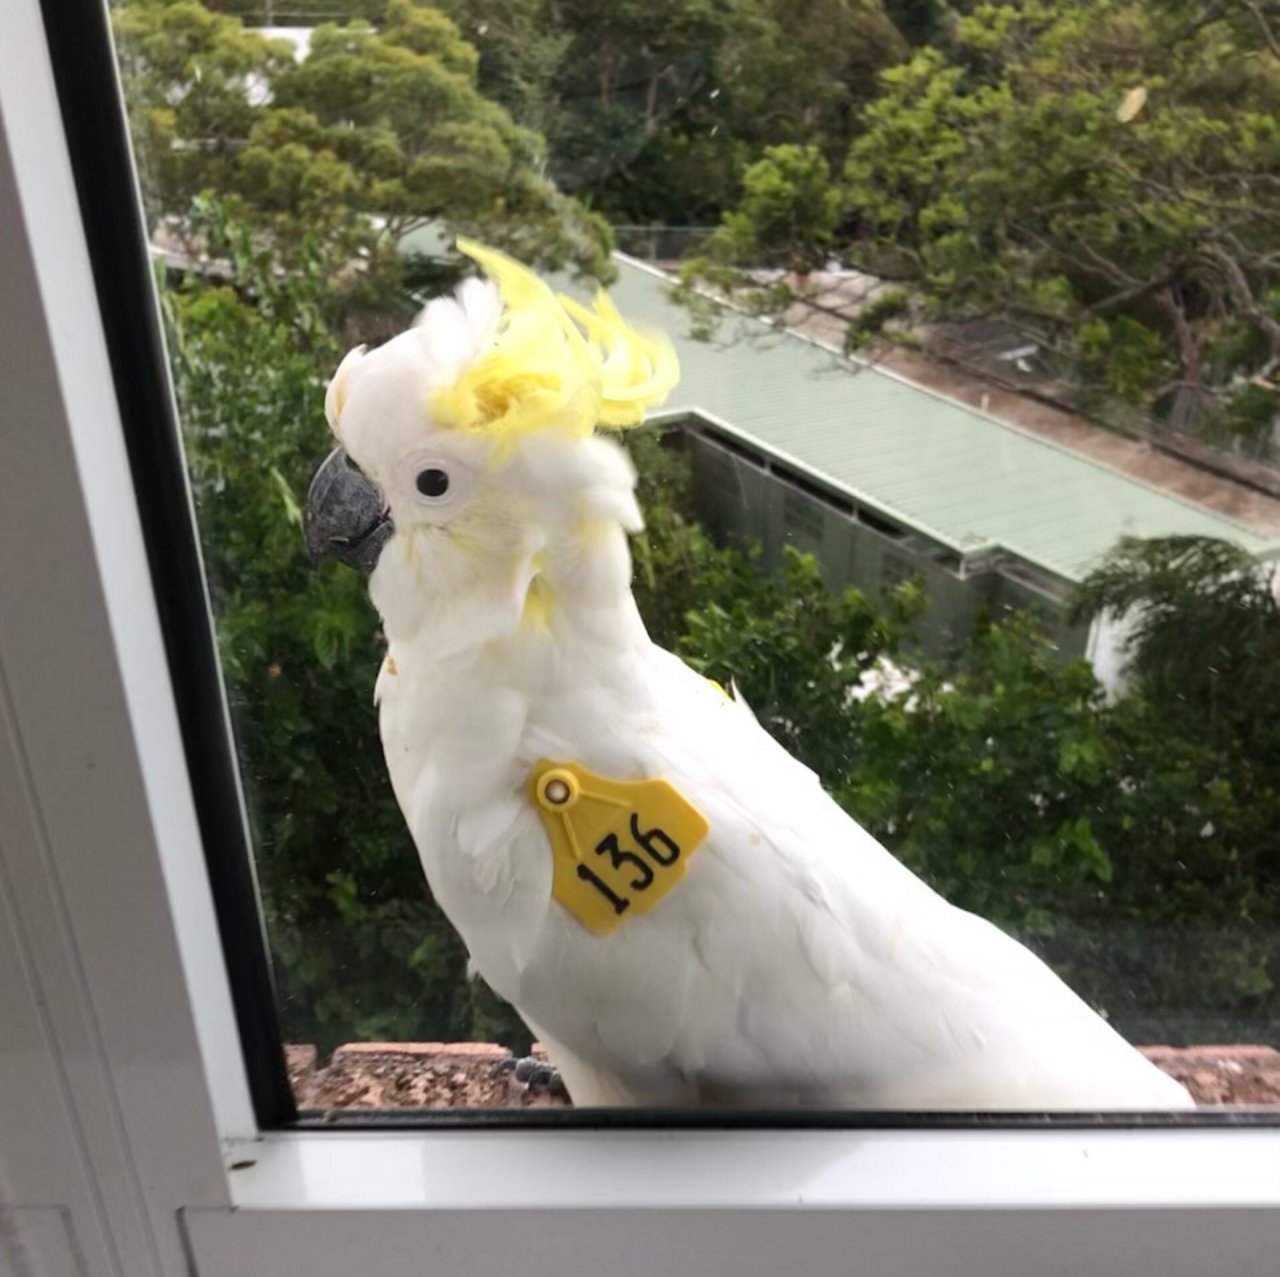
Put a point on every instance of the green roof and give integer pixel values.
(934, 465)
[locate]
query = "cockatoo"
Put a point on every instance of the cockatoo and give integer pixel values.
(670, 900)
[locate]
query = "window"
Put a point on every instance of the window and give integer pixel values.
(150, 979)
(303, 178)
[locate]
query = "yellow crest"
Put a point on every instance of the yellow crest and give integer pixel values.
(555, 363)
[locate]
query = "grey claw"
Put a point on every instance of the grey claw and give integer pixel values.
(539, 1076)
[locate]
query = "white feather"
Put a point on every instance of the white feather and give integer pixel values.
(798, 962)
(454, 331)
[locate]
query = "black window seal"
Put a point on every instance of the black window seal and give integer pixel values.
(730, 1119)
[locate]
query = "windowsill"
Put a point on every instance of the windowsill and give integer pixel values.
(791, 1170)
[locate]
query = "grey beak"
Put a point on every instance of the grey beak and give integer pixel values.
(347, 515)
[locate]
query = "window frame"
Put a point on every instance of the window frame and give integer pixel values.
(87, 83)
(161, 1148)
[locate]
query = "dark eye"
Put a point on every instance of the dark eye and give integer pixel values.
(432, 482)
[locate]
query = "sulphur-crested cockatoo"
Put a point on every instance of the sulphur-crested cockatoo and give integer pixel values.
(724, 933)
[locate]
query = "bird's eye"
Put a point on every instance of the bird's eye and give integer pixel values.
(432, 482)
(434, 486)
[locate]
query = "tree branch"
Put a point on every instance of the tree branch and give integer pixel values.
(1238, 283)
(1190, 344)
(1264, 26)
(1127, 295)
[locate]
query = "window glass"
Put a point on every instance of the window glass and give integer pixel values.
(967, 497)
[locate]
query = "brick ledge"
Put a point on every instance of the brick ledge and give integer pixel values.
(439, 1075)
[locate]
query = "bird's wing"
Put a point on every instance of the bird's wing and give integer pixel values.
(799, 958)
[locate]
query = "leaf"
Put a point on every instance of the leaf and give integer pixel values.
(1132, 105)
(325, 645)
(293, 511)
(1092, 856)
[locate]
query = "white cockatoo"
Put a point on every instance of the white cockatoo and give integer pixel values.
(721, 932)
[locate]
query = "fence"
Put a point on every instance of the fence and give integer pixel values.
(661, 243)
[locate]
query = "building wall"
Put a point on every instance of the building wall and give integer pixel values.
(744, 496)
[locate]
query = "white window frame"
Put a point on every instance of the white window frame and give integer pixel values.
(128, 1145)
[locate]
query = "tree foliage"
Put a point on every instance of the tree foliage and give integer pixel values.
(789, 211)
(1105, 175)
(1130, 840)
(653, 110)
(374, 133)
(359, 949)
(521, 47)
(1205, 629)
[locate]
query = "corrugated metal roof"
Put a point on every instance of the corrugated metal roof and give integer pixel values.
(935, 465)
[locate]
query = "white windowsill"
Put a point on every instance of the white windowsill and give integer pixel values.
(713, 1170)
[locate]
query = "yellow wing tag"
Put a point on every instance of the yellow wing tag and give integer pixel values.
(619, 845)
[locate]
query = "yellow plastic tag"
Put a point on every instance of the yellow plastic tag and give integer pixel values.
(619, 845)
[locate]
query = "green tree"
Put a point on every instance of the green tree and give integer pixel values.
(1124, 850)
(1204, 651)
(652, 111)
(522, 47)
(1204, 632)
(372, 134)
(920, 21)
(402, 109)
(1105, 174)
(359, 949)
(187, 76)
(1130, 842)
(801, 71)
(629, 84)
(789, 212)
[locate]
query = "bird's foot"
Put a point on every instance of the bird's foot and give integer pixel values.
(537, 1075)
